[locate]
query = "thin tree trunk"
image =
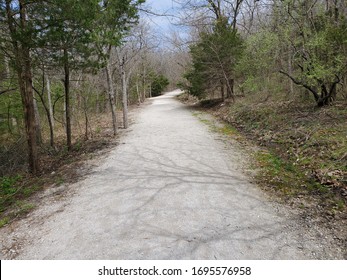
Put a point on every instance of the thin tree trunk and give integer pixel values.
(290, 72)
(230, 91)
(144, 83)
(97, 102)
(86, 118)
(9, 119)
(138, 91)
(49, 98)
(86, 124)
(67, 101)
(111, 97)
(222, 91)
(50, 112)
(124, 95)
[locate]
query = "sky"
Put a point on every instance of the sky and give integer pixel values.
(161, 23)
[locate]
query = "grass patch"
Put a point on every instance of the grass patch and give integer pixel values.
(8, 185)
(24, 207)
(277, 174)
(308, 147)
(225, 129)
(4, 221)
(229, 130)
(14, 191)
(283, 176)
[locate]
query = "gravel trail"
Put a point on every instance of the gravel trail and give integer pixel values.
(171, 190)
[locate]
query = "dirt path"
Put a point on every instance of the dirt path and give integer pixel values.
(170, 191)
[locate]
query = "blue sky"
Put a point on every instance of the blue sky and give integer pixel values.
(161, 5)
(161, 23)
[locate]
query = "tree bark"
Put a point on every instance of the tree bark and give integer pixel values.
(50, 111)
(290, 71)
(144, 82)
(67, 100)
(124, 95)
(23, 68)
(138, 90)
(37, 123)
(222, 91)
(111, 97)
(230, 90)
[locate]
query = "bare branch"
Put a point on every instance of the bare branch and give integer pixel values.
(7, 90)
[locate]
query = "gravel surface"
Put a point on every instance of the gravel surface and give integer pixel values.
(172, 190)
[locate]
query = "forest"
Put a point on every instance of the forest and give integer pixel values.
(274, 69)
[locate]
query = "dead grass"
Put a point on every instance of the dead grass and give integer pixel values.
(58, 167)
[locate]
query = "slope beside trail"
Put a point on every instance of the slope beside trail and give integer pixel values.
(171, 190)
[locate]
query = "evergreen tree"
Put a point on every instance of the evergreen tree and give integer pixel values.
(214, 59)
(66, 28)
(159, 83)
(21, 35)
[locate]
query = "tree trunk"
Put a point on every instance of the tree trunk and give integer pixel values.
(144, 94)
(111, 97)
(222, 89)
(290, 72)
(230, 90)
(23, 67)
(86, 118)
(37, 123)
(50, 112)
(138, 90)
(124, 95)
(67, 100)
(97, 102)
(29, 113)
(144, 73)
(230, 85)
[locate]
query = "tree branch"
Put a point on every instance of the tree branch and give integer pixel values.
(300, 83)
(7, 90)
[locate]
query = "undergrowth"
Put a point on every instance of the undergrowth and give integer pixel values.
(304, 148)
(58, 166)
(310, 146)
